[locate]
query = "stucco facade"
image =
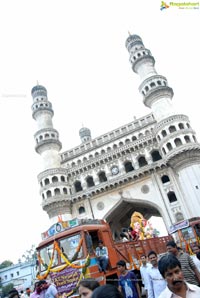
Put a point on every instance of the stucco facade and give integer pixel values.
(151, 165)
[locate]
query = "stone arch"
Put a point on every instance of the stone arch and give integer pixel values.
(172, 196)
(128, 166)
(155, 155)
(118, 219)
(78, 186)
(102, 176)
(54, 179)
(142, 161)
(81, 210)
(178, 142)
(90, 181)
(165, 179)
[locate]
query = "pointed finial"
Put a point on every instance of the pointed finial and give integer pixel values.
(129, 33)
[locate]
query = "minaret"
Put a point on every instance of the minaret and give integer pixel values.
(156, 93)
(47, 138)
(176, 138)
(85, 134)
(54, 187)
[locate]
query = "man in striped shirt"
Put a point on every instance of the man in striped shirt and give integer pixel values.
(190, 272)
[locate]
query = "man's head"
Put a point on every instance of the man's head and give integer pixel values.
(100, 243)
(170, 268)
(42, 285)
(121, 266)
(195, 248)
(143, 259)
(172, 247)
(152, 256)
(13, 293)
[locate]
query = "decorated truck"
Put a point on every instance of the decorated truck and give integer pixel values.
(67, 253)
(186, 233)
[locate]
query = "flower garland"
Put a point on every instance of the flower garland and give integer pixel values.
(64, 257)
(44, 276)
(132, 263)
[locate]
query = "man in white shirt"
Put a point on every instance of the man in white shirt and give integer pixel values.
(195, 250)
(156, 283)
(102, 256)
(170, 268)
(143, 272)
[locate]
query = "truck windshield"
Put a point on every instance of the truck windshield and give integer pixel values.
(70, 245)
(46, 255)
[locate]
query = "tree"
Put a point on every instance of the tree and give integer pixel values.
(5, 264)
(7, 289)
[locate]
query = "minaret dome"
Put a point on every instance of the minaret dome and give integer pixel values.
(85, 134)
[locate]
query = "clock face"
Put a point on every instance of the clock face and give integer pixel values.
(115, 170)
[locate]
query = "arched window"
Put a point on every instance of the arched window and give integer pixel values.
(187, 139)
(140, 135)
(65, 190)
(62, 178)
(169, 146)
(46, 181)
(41, 183)
(181, 126)
(152, 84)
(43, 197)
(56, 191)
(171, 196)
(90, 181)
(165, 179)
(127, 141)
(128, 166)
(142, 161)
(159, 138)
(134, 138)
(172, 128)
(178, 142)
(163, 150)
(78, 186)
(54, 179)
(163, 132)
(156, 155)
(188, 125)
(102, 177)
(81, 210)
(48, 193)
(147, 133)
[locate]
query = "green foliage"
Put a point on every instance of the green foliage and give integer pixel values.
(5, 264)
(7, 289)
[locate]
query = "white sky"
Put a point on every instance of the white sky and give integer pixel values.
(76, 49)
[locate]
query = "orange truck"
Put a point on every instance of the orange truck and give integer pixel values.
(186, 233)
(67, 253)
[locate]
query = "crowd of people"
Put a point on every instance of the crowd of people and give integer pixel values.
(42, 289)
(176, 274)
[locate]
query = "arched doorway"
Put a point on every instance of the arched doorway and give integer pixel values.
(120, 215)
